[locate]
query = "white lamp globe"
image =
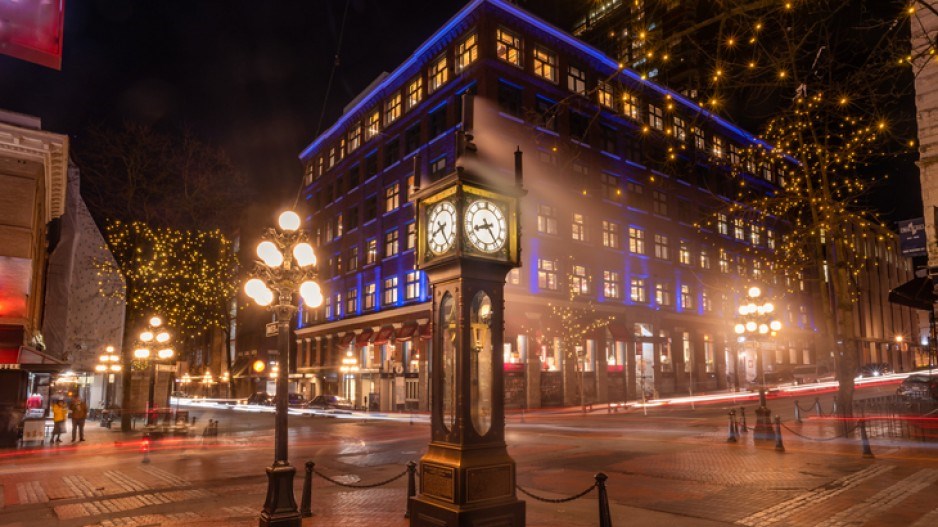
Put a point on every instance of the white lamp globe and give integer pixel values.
(743, 310)
(165, 353)
(100, 368)
(146, 336)
(311, 293)
(109, 349)
(768, 307)
(116, 367)
(289, 220)
(754, 292)
(156, 322)
(763, 328)
(268, 252)
(104, 358)
(141, 353)
(751, 326)
(254, 287)
(264, 298)
(740, 329)
(162, 337)
(752, 308)
(775, 325)
(303, 252)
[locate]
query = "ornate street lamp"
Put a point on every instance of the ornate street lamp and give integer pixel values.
(348, 368)
(757, 322)
(109, 363)
(153, 347)
(287, 266)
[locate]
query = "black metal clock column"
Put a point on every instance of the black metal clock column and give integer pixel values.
(468, 240)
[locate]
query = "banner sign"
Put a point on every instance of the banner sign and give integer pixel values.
(912, 237)
(31, 30)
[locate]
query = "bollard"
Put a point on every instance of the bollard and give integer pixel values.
(605, 518)
(411, 485)
(742, 413)
(817, 406)
(834, 410)
(522, 413)
(867, 452)
(145, 447)
(779, 447)
(306, 505)
(797, 413)
(732, 437)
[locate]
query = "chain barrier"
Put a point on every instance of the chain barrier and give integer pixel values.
(555, 500)
(838, 436)
(360, 486)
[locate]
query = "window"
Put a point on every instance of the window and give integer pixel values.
(634, 194)
(351, 301)
(655, 117)
(739, 229)
(662, 248)
(734, 154)
(688, 348)
(663, 294)
(467, 52)
(546, 113)
(438, 74)
(611, 286)
(372, 125)
(371, 251)
(578, 228)
(371, 208)
(718, 147)
(414, 92)
(684, 253)
(605, 95)
(390, 291)
(392, 152)
(351, 219)
(354, 176)
(354, 137)
(700, 143)
(755, 234)
(659, 202)
(687, 297)
(723, 226)
(514, 276)
(391, 242)
(353, 258)
(411, 241)
(636, 241)
(329, 306)
(546, 219)
(579, 126)
(338, 304)
(576, 80)
(609, 184)
(637, 290)
(630, 105)
(705, 302)
(508, 46)
(436, 124)
(411, 186)
(547, 274)
(369, 297)
(392, 197)
(770, 238)
(680, 129)
(412, 285)
(724, 261)
(412, 138)
(509, 98)
(392, 109)
(545, 63)
(709, 355)
(580, 282)
(610, 234)
(438, 168)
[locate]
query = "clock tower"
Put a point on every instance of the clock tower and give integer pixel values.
(468, 233)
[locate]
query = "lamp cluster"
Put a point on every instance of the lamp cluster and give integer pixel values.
(154, 337)
(757, 317)
(108, 361)
(287, 261)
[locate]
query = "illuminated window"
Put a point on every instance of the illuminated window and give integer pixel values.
(353, 258)
(655, 117)
(663, 294)
(705, 302)
(723, 226)
(636, 241)
(411, 241)
(684, 253)
(438, 74)
(392, 109)
(414, 92)
(514, 276)
(308, 171)
(718, 147)
(610, 234)
(351, 301)
(700, 142)
(371, 251)
(662, 248)
(391, 242)
(411, 186)
(547, 274)
(545, 63)
(770, 238)
(687, 297)
(354, 137)
(724, 261)
(637, 290)
(576, 80)
(369, 296)
(412, 285)
(546, 219)
(579, 281)
(372, 125)
(755, 234)
(329, 306)
(467, 52)
(709, 355)
(392, 197)
(630, 105)
(734, 154)
(508, 46)
(680, 129)
(390, 290)
(604, 94)
(611, 286)
(578, 228)
(687, 347)
(739, 228)
(337, 302)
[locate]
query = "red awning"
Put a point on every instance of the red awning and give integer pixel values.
(406, 332)
(385, 334)
(619, 332)
(346, 339)
(426, 331)
(364, 337)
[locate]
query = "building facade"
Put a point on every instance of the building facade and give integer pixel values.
(622, 292)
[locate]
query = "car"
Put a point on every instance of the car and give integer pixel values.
(296, 400)
(922, 385)
(876, 369)
(809, 373)
(260, 398)
(330, 402)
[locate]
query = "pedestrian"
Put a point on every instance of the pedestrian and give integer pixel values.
(79, 413)
(59, 411)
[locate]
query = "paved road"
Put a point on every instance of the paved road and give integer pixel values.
(672, 467)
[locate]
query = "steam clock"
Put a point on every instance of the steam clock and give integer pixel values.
(468, 240)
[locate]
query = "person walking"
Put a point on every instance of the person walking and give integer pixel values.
(79, 413)
(59, 412)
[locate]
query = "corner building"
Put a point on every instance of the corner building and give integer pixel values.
(620, 294)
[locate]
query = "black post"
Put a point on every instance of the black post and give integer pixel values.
(732, 437)
(152, 394)
(742, 413)
(817, 406)
(867, 452)
(763, 428)
(797, 413)
(306, 506)
(411, 485)
(779, 447)
(605, 518)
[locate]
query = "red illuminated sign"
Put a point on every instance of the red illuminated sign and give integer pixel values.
(31, 30)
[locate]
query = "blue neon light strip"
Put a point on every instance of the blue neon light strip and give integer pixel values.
(544, 26)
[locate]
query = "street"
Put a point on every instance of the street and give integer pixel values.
(672, 466)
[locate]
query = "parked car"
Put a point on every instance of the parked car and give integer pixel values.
(260, 398)
(296, 400)
(922, 385)
(330, 402)
(772, 379)
(810, 373)
(876, 369)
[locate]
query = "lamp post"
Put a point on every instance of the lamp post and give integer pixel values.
(108, 364)
(152, 347)
(226, 379)
(348, 368)
(286, 267)
(756, 322)
(207, 381)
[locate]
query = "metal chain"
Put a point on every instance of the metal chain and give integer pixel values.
(556, 500)
(360, 486)
(838, 436)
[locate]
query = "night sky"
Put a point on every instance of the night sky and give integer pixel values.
(248, 76)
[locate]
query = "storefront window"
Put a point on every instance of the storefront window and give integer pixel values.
(667, 365)
(709, 355)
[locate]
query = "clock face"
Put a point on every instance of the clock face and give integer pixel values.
(441, 227)
(485, 226)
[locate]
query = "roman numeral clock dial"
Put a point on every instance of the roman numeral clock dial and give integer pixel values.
(441, 227)
(485, 226)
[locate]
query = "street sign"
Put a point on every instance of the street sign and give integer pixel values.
(272, 329)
